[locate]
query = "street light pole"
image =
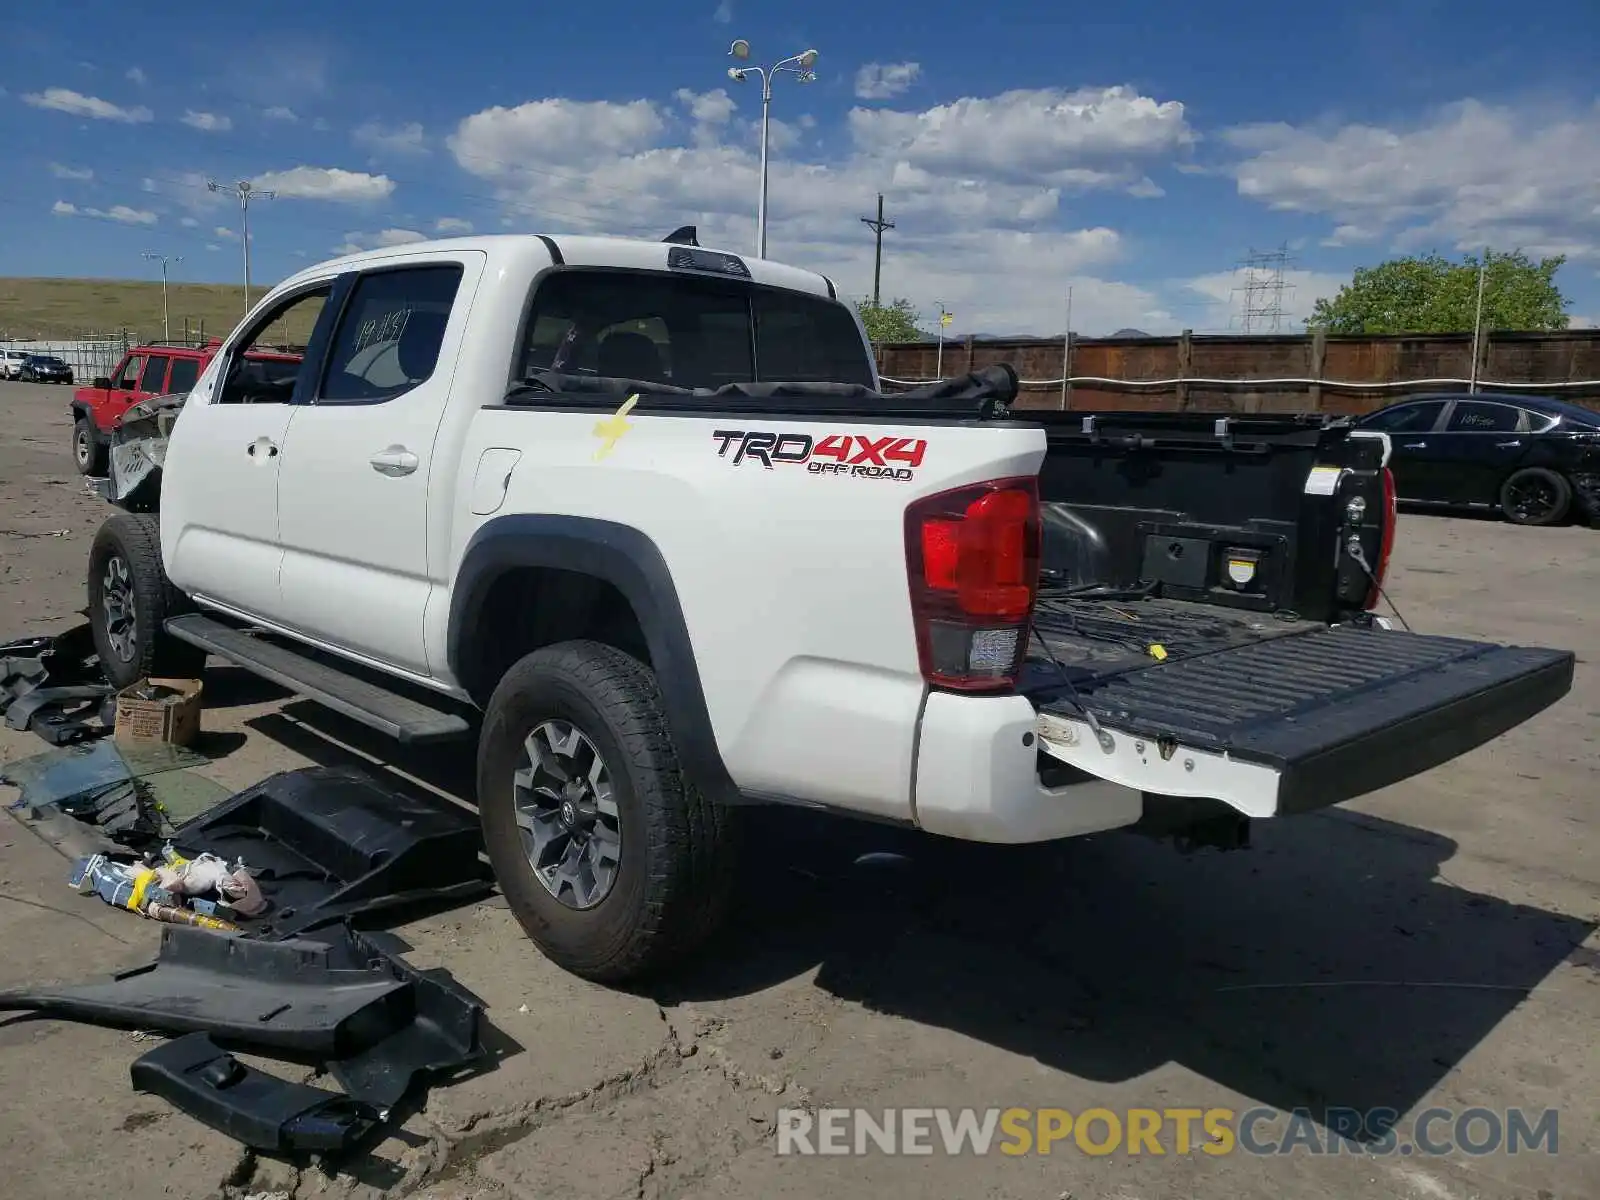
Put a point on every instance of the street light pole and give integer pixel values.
(246, 191)
(798, 65)
(166, 326)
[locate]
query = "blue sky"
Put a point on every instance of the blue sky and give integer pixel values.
(1134, 153)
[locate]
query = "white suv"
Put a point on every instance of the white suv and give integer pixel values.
(11, 363)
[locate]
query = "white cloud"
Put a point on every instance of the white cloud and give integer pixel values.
(77, 173)
(1224, 301)
(326, 183)
(147, 185)
(212, 246)
(401, 139)
(452, 225)
(724, 13)
(320, 124)
(706, 108)
(76, 103)
(138, 76)
(189, 223)
(280, 113)
(976, 229)
(1091, 137)
(883, 81)
(222, 231)
(571, 132)
(207, 122)
(1470, 174)
(117, 212)
(356, 242)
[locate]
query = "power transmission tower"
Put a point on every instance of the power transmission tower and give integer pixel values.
(246, 191)
(1263, 289)
(877, 226)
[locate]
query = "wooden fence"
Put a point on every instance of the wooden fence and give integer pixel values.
(1255, 373)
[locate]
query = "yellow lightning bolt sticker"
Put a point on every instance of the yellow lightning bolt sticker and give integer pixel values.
(610, 430)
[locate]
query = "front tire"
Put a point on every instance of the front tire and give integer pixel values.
(612, 862)
(130, 599)
(87, 451)
(1535, 496)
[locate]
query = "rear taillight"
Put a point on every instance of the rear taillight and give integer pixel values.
(972, 557)
(1391, 518)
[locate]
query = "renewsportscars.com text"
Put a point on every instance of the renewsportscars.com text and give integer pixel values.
(1160, 1131)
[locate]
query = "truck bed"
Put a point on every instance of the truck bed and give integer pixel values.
(1335, 711)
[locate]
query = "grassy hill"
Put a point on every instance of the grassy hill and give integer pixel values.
(76, 308)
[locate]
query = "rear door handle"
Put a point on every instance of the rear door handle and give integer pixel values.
(1414, 446)
(394, 461)
(1510, 444)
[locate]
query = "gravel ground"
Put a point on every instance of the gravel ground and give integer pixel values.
(1432, 945)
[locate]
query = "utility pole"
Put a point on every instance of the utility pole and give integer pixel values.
(152, 256)
(246, 191)
(877, 227)
(1477, 323)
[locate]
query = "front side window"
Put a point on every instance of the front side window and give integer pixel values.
(258, 370)
(128, 378)
(1407, 418)
(688, 332)
(390, 334)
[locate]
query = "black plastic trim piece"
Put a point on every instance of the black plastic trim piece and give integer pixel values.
(833, 292)
(555, 250)
(262, 1111)
(628, 560)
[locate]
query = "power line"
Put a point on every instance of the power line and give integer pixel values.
(1263, 289)
(877, 226)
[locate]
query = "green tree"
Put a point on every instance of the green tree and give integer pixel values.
(892, 322)
(1431, 294)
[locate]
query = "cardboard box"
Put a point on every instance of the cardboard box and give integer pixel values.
(173, 717)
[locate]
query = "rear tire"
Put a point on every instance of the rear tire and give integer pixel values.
(130, 599)
(1535, 496)
(87, 451)
(672, 848)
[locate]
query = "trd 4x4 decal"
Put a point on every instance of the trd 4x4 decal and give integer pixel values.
(853, 454)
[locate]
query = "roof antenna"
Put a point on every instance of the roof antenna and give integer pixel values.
(684, 235)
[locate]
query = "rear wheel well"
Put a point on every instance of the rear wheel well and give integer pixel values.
(528, 608)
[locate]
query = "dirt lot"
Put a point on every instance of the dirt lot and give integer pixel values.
(1432, 945)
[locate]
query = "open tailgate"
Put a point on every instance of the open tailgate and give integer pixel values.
(1302, 721)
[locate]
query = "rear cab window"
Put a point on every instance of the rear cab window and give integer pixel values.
(688, 332)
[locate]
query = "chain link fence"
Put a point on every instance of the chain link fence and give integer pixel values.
(89, 355)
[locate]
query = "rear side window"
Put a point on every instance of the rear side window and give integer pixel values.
(689, 332)
(389, 334)
(1474, 416)
(185, 371)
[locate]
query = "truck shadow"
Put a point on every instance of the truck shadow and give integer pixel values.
(1328, 966)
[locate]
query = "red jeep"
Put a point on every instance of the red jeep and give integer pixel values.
(154, 369)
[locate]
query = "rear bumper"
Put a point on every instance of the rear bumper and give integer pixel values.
(1360, 716)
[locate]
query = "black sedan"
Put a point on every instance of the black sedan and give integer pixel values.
(1534, 458)
(44, 368)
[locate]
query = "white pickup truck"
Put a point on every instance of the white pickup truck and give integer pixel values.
(639, 515)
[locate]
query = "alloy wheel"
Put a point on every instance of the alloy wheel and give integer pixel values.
(566, 813)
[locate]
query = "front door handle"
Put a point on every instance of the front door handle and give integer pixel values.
(394, 461)
(1509, 445)
(1414, 446)
(262, 449)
